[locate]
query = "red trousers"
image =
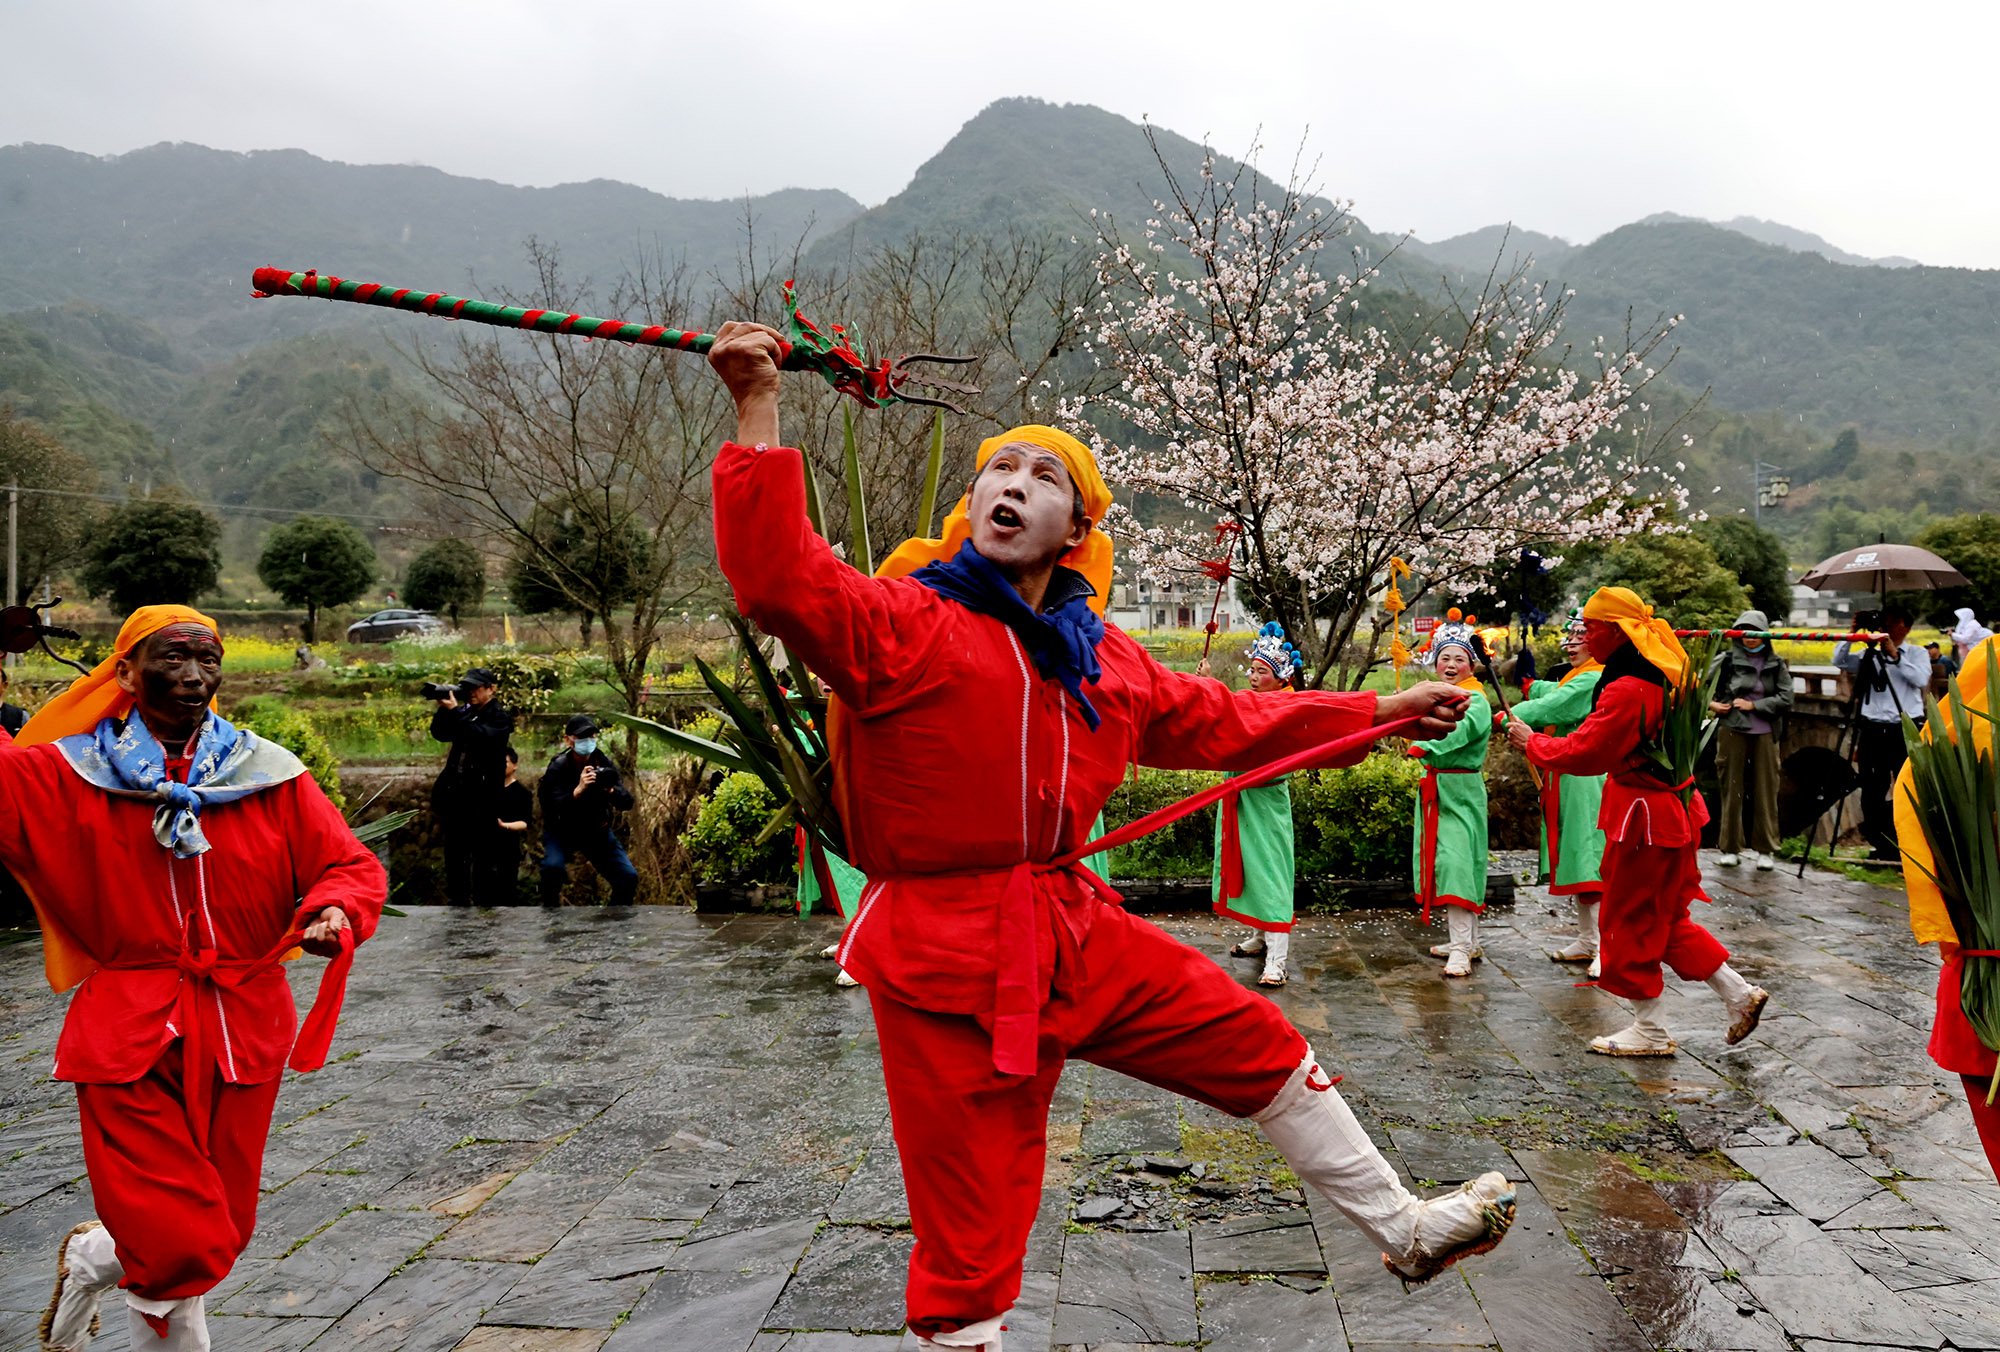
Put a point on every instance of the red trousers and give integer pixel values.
(180, 1219)
(1643, 920)
(1986, 1119)
(972, 1140)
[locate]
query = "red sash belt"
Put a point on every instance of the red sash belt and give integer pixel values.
(1427, 796)
(1017, 1008)
(204, 971)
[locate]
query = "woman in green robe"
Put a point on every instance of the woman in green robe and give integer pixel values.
(1253, 881)
(1448, 858)
(1572, 843)
(848, 883)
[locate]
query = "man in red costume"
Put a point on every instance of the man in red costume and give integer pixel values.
(1650, 870)
(984, 713)
(212, 856)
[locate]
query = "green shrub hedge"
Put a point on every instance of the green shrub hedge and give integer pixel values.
(1351, 824)
(271, 718)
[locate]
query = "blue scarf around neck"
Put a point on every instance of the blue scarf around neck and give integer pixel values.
(124, 758)
(1061, 641)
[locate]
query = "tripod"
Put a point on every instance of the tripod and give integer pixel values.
(1847, 744)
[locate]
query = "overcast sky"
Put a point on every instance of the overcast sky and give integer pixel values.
(1873, 126)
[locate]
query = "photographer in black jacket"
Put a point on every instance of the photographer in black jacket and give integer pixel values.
(466, 796)
(579, 792)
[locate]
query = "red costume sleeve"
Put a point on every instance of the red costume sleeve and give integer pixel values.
(864, 636)
(1194, 723)
(329, 866)
(1606, 739)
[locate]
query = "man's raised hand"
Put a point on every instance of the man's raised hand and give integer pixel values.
(1440, 706)
(746, 356)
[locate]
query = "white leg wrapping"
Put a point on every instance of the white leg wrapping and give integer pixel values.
(89, 1267)
(1730, 985)
(1251, 946)
(1313, 1128)
(1586, 922)
(186, 1320)
(1277, 946)
(1463, 926)
(981, 1337)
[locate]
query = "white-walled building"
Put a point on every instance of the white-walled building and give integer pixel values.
(1185, 604)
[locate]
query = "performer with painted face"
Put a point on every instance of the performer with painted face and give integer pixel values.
(984, 712)
(1572, 843)
(1651, 832)
(211, 858)
(1253, 880)
(1448, 849)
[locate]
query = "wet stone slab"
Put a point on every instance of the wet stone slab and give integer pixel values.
(647, 1129)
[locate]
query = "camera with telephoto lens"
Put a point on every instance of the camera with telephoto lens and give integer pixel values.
(432, 690)
(1869, 621)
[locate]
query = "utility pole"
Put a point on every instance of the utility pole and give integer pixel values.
(1770, 484)
(13, 550)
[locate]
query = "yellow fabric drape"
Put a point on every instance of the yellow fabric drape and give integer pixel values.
(1654, 638)
(1092, 558)
(1929, 920)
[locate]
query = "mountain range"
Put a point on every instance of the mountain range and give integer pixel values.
(126, 324)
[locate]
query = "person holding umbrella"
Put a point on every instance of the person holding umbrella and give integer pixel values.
(1890, 677)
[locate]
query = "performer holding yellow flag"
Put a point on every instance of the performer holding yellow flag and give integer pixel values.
(1651, 833)
(1954, 1045)
(175, 861)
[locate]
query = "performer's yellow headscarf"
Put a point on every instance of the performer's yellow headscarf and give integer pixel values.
(1653, 638)
(89, 701)
(1092, 558)
(1929, 920)
(92, 699)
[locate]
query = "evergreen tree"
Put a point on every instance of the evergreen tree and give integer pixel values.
(1757, 557)
(156, 551)
(449, 577)
(1678, 576)
(316, 561)
(1971, 544)
(567, 564)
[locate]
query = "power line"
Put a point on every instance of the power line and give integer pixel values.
(230, 508)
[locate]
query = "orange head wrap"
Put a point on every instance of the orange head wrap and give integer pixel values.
(89, 701)
(1092, 558)
(1653, 638)
(92, 699)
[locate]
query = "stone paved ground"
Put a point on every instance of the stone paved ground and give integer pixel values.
(654, 1130)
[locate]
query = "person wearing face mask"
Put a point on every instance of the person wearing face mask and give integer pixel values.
(1253, 880)
(579, 792)
(1753, 693)
(1448, 851)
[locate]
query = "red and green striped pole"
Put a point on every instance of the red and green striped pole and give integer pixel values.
(277, 282)
(1780, 635)
(837, 358)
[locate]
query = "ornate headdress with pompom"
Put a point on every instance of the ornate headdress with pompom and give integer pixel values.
(1273, 651)
(1455, 631)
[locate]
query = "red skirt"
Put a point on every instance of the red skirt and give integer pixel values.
(1954, 1046)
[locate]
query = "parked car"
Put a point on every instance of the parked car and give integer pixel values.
(385, 625)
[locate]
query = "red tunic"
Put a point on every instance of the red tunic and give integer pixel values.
(959, 762)
(1637, 807)
(90, 859)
